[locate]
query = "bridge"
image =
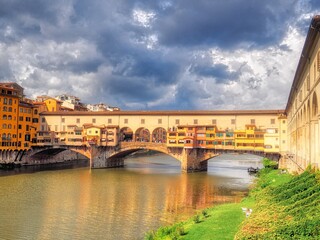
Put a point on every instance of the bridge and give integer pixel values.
(191, 159)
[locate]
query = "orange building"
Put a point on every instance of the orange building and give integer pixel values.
(19, 118)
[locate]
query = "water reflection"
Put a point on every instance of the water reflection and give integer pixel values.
(115, 203)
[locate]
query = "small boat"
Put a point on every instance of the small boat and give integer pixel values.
(253, 170)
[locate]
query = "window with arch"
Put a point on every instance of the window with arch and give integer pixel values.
(9, 136)
(5, 101)
(9, 126)
(10, 109)
(35, 111)
(4, 109)
(10, 101)
(9, 117)
(4, 117)
(314, 105)
(4, 136)
(4, 126)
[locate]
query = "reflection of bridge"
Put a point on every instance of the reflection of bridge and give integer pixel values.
(192, 159)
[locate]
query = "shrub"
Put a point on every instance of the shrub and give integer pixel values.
(205, 213)
(267, 163)
(196, 219)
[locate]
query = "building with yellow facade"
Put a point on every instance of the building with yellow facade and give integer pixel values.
(220, 130)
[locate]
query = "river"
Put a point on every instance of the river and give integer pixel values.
(122, 203)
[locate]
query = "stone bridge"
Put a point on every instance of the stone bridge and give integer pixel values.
(191, 159)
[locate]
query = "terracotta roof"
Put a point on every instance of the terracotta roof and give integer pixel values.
(170, 113)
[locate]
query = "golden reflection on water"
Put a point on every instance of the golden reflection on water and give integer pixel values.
(106, 203)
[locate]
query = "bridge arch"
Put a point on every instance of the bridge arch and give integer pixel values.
(159, 135)
(142, 134)
(126, 134)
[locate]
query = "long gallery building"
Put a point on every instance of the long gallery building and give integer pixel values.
(293, 132)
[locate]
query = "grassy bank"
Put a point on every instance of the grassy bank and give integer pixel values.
(284, 207)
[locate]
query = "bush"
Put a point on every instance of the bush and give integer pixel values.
(205, 213)
(267, 163)
(196, 219)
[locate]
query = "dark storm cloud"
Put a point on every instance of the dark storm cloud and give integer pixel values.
(219, 72)
(132, 89)
(67, 39)
(224, 23)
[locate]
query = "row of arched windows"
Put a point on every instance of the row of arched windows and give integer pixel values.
(7, 101)
(6, 126)
(7, 109)
(6, 137)
(5, 117)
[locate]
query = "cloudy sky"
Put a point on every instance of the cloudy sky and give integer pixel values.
(165, 54)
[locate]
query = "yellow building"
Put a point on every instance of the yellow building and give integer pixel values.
(52, 104)
(181, 129)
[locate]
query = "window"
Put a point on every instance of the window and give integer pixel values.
(63, 120)
(4, 117)
(93, 120)
(19, 126)
(5, 101)
(283, 131)
(283, 141)
(233, 121)
(4, 109)
(143, 121)
(126, 121)
(4, 126)
(10, 102)
(35, 111)
(252, 121)
(214, 121)
(195, 121)
(159, 121)
(109, 121)
(283, 121)
(272, 121)
(177, 121)
(78, 120)
(9, 126)
(9, 117)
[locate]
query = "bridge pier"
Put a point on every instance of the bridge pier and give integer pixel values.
(100, 158)
(191, 160)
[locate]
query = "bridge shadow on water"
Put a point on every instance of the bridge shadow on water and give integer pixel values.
(82, 163)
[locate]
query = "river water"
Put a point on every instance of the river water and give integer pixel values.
(123, 203)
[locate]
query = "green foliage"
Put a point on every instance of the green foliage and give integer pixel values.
(205, 213)
(267, 163)
(196, 219)
(289, 210)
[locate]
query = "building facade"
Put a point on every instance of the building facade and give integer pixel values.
(302, 107)
(19, 119)
(263, 131)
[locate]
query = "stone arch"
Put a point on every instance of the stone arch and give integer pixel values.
(142, 135)
(314, 108)
(126, 134)
(159, 135)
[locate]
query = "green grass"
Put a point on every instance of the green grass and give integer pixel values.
(284, 207)
(220, 222)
